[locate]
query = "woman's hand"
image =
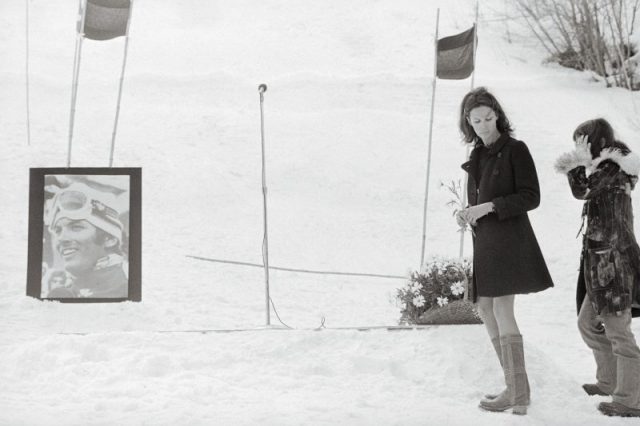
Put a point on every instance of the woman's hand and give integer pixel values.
(473, 213)
(461, 218)
(583, 146)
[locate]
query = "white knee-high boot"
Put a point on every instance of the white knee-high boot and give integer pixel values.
(516, 396)
(496, 345)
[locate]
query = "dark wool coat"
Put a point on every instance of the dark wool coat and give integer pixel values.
(506, 255)
(610, 259)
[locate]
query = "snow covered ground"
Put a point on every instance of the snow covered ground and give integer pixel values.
(347, 120)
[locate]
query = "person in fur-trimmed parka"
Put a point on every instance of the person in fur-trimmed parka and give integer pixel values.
(603, 172)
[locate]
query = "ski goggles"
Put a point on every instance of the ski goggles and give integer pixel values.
(76, 205)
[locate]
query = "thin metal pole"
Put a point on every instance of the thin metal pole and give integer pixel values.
(475, 45)
(76, 77)
(265, 244)
(464, 189)
(433, 99)
(124, 64)
(27, 77)
(466, 156)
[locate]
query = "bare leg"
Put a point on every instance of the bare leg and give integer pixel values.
(504, 315)
(486, 311)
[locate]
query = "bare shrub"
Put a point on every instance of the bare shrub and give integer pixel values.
(594, 35)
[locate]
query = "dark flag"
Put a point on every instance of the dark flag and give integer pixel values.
(455, 55)
(105, 19)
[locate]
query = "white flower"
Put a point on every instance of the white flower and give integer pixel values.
(415, 287)
(440, 267)
(443, 301)
(418, 301)
(457, 288)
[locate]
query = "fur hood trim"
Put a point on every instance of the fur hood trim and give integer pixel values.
(572, 159)
(630, 163)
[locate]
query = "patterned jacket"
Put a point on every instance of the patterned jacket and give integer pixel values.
(610, 260)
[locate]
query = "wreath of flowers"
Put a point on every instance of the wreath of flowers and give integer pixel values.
(440, 282)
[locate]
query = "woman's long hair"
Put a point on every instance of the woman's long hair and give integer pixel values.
(600, 136)
(481, 97)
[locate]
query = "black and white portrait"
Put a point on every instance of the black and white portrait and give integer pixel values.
(86, 240)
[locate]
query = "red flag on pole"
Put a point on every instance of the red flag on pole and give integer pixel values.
(105, 19)
(455, 55)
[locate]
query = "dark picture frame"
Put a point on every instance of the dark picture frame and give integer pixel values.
(85, 234)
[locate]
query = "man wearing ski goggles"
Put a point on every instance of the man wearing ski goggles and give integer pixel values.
(87, 235)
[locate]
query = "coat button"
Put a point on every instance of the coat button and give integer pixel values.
(499, 155)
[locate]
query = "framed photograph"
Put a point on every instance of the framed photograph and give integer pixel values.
(84, 234)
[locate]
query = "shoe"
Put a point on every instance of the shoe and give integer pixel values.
(504, 402)
(593, 389)
(617, 409)
(516, 396)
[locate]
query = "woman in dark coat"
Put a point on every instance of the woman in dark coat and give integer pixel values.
(502, 187)
(603, 173)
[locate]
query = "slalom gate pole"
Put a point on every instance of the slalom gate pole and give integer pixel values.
(265, 243)
(466, 157)
(433, 100)
(27, 74)
(76, 77)
(475, 46)
(124, 64)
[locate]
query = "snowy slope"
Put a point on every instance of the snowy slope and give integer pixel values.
(347, 121)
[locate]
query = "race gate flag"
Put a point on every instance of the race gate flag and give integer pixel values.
(105, 19)
(455, 58)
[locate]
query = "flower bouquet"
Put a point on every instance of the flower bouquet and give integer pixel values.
(457, 203)
(438, 294)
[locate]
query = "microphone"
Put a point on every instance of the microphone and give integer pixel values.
(262, 88)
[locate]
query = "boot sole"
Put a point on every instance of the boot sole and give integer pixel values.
(490, 397)
(520, 410)
(489, 400)
(591, 392)
(618, 411)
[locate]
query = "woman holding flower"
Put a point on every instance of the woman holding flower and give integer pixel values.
(502, 187)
